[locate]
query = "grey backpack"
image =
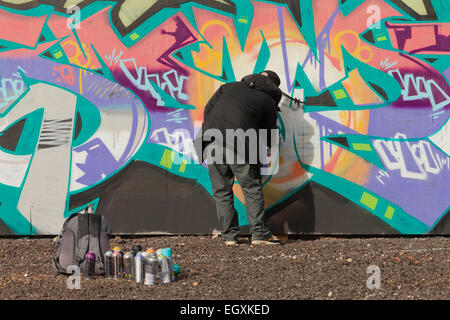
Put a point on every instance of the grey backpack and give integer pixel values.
(82, 232)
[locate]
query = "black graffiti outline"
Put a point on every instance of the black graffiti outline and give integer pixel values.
(223, 5)
(228, 7)
(431, 14)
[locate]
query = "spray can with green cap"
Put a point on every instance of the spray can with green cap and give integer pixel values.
(164, 269)
(176, 269)
(167, 252)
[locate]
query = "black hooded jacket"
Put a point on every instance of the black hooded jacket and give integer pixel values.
(251, 103)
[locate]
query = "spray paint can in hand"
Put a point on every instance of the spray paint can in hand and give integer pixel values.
(90, 265)
(167, 252)
(128, 261)
(151, 270)
(109, 264)
(139, 268)
(164, 270)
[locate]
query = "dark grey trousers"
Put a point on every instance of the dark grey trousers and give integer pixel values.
(249, 178)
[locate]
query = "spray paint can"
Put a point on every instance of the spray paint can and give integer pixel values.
(167, 252)
(176, 269)
(136, 248)
(90, 265)
(146, 255)
(109, 264)
(117, 263)
(151, 270)
(152, 250)
(158, 253)
(164, 270)
(128, 261)
(139, 265)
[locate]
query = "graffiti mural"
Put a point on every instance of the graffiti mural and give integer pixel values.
(100, 102)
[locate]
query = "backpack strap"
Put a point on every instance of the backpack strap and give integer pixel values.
(56, 263)
(95, 222)
(83, 246)
(83, 238)
(57, 266)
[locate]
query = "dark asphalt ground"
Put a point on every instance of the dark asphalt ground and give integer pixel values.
(321, 268)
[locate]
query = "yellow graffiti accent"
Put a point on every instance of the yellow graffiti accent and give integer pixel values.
(348, 165)
(243, 20)
(214, 56)
(344, 116)
(134, 36)
(182, 166)
(389, 212)
(75, 59)
(359, 48)
(358, 90)
(362, 146)
(339, 94)
(369, 200)
(200, 98)
(167, 159)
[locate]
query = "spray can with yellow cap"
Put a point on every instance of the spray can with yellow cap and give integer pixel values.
(117, 263)
(128, 264)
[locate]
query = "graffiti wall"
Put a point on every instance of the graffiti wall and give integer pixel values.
(100, 102)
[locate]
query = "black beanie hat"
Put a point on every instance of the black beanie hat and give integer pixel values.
(272, 76)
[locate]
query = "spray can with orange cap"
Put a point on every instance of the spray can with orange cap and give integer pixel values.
(151, 269)
(117, 263)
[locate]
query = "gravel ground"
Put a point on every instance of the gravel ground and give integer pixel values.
(320, 268)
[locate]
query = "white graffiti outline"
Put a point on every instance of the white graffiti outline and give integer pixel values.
(179, 140)
(142, 81)
(418, 83)
(425, 160)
